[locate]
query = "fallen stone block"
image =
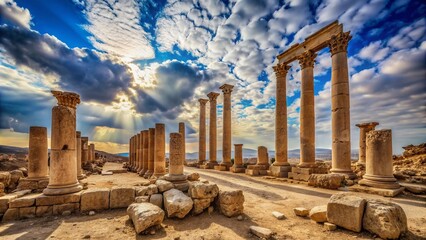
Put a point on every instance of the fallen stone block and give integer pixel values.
(263, 233)
(231, 203)
(385, 219)
(301, 212)
(95, 199)
(145, 215)
(146, 190)
(329, 226)
(278, 215)
(193, 177)
(121, 197)
(176, 203)
(346, 210)
(163, 185)
(201, 204)
(157, 199)
(319, 213)
(203, 190)
(141, 199)
(329, 181)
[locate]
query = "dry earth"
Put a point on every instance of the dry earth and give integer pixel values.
(262, 196)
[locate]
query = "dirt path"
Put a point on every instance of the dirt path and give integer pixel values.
(261, 198)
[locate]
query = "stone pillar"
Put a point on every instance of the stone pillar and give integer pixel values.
(340, 113)
(364, 128)
(175, 174)
(182, 132)
(307, 111)
(212, 131)
(80, 174)
(160, 150)
(130, 153)
(37, 154)
(84, 150)
(63, 161)
(227, 126)
(141, 156)
(262, 164)
(138, 152)
(379, 165)
(238, 166)
(281, 167)
(92, 146)
(134, 152)
(151, 152)
(262, 156)
(202, 134)
(145, 136)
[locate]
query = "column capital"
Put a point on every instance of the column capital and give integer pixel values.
(307, 59)
(367, 125)
(281, 70)
(203, 101)
(339, 42)
(226, 88)
(67, 99)
(213, 96)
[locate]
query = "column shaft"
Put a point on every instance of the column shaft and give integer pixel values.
(145, 138)
(176, 157)
(151, 152)
(213, 129)
(140, 160)
(202, 134)
(160, 150)
(227, 125)
(37, 154)
(182, 132)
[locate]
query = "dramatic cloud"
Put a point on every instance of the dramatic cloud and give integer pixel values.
(11, 12)
(93, 75)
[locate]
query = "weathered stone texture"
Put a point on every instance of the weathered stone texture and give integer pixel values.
(346, 210)
(121, 197)
(145, 215)
(231, 203)
(176, 203)
(95, 199)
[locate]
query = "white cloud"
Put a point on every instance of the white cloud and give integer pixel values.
(19, 16)
(374, 52)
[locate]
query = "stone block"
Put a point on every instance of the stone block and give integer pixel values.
(25, 201)
(27, 212)
(263, 172)
(141, 199)
(95, 199)
(263, 233)
(346, 210)
(145, 215)
(301, 212)
(279, 171)
(25, 184)
(11, 214)
(319, 213)
(231, 203)
(42, 211)
(220, 168)
(377, 191)
(157, 199)
(42, 184)
(60, 209)
(201, 204)
(203, 190)
(291, 175)
(278, 215)
(121, 197)
(146, 190)
(193, 177)
(176, 203)
(4, 202)
(252, 172)
(44, 200)
(329, 226)
(163, 185)
(329, 181)
(237, 169)
(184, 186)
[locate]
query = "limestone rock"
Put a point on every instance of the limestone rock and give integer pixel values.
(157, 199)
(319, 213)
(95, 199)
(329, 226)
(141, 199)
(263, 233)
(176, 203)
(203, 190)
(11, 214)
(231, 203)
(27, 212)
(278, 215)
(163, 185)
(193, 177)
(44, 200)
(67, 207)
(26, 201)
(121, 197)
(145, 215)
(42, 211)
(201, 204)
(5, 178)
(386, 219)
(4, 202)
(329, 181)
(301, 212)
(146, 190)
(346, 210)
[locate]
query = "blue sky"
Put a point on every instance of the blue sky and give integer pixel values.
(136, 63)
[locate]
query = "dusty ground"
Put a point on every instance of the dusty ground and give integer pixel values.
(262, 196)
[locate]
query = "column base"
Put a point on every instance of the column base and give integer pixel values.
(157, 175)
(142, 172)
(62, 189)
(209, 165)
(379, 182)
(179, 181)
(280, 171)
(148, 174)
(257, 170)
(81, 176)
(33, 184)
(349, 174)
(377, 191)
(84, 183)
(237, 169)
(223, 166)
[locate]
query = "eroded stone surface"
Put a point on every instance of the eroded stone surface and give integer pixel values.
(329, 181)
(163, 185)
(201, 204)
(263, 233)
(157, 199)
(319, 213)
(231, 203)
(301, 212)
(203, 190)
(145, 215)
(95, 199)
(176, 203)
(121, 197)
(346, 210)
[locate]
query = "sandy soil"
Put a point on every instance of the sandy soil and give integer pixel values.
(262, 196)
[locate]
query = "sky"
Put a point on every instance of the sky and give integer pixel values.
(137, 63)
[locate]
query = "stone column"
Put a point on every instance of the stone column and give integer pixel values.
(262, 164)
(130, 153)
(182, 132)
(175, 174)
(364, 128)
(262, 156)
(141, 143)
(227, 125)
(145, 136)
(84, 150)
(134, 153)
(138, 152)
(281, 167)
(202, 134)
(37, 154)
(340, 113)
(151, 152)
(160, 150)
(92, 146)
(379, 165)
(238, 166)
(307, 111)
(80, 174)
(212, 131)
(63, 161)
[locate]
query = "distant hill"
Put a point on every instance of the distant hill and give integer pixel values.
(12, 150)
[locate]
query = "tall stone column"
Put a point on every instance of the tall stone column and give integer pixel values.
(307, 111)
(134, 152)
(262, 164)
(160, 150)
(281, 167)
(37, 154)
(84, 150)
(340, 113)
(227, 126)
(212, 131)
(182, 132)
(202, 134)
(138, 152)
(92, 146)
(145, 136)
(364, 128)
(80, 174)
(176, 158)
(379, 165)
(63, 160)
(130, 153)
(139, 169)
(151, 152)
(238, 166)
